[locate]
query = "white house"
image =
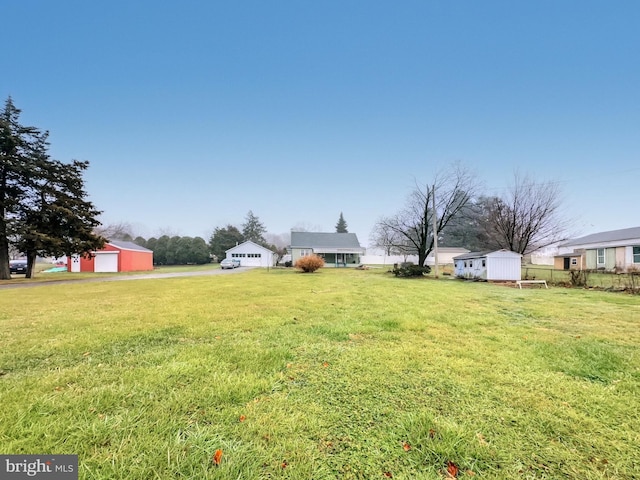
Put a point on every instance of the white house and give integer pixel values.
(501, 265)
(252, 255)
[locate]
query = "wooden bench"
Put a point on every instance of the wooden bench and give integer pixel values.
(531, 282)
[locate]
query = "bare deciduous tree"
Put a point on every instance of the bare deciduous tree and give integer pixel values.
(528, 217)
(389, 240)
(115, 231)
(411, 230)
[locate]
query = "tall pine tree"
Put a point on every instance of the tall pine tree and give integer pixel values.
(253, 229)
(15, 165)
(341, 226)
(43, 201)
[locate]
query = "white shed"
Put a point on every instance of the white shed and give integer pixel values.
(251, 255)
(501, 265)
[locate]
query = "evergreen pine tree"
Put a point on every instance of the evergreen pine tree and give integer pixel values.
(253, 229)
(341, 226)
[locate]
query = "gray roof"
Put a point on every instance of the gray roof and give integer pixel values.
(324, 240)
(466, 256)
(610, 236)
(128, 245)
(484, 253)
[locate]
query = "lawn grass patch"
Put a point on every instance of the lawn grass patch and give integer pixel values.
(341, 374)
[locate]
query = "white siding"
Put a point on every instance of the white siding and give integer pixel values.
(504, 265)
(251, 255)
(501, 265)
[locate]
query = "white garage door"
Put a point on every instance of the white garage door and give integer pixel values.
(251, 260)
(106, 262)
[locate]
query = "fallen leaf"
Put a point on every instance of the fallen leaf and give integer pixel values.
(86, 354)
(388, 474)
(432, 433)
(481, 439)
(242, 418)
(284, 464)
(217, 457)
(470, 473)
(325, 364)
(406, 446)
(452, 469)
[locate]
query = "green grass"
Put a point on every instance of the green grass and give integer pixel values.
(332, 375)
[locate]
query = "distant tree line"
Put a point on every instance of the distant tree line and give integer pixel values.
(179, 250)
(176, 250)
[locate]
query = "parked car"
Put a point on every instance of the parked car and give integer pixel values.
(18, 266)
(229, 263)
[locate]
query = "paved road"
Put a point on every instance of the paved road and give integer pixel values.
(142, 276)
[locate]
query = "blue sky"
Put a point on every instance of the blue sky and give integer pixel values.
(328, 107)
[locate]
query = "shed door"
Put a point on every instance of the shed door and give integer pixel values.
(106, 262)
(75, 263)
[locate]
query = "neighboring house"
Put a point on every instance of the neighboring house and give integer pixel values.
(615, 250)
(252, 255)
(500, 265)
(337, 249)
(445, 257)
(115, 256)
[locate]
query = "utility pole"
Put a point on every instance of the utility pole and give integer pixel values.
(435, 232)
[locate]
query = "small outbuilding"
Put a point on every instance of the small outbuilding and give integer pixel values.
(115, 256)
(499, 266)
(251, 254)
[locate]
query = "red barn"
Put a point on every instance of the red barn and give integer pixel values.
(116, 256)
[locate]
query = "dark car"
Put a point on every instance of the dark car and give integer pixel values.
(18, 266)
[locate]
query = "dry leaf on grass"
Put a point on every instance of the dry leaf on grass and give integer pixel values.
(217, 457)
(452, 470)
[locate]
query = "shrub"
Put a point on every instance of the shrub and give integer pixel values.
(410, 270)
(309, 263)
(578, 278)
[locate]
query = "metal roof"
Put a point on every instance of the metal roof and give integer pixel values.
(128, 246)
(610, 236)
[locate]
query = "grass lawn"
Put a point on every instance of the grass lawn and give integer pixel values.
(338, 374)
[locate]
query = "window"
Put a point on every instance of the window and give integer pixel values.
(600, 255)
(470, 263)
(636, 254)
(574, 261)
(484, 263)
(304, 252)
